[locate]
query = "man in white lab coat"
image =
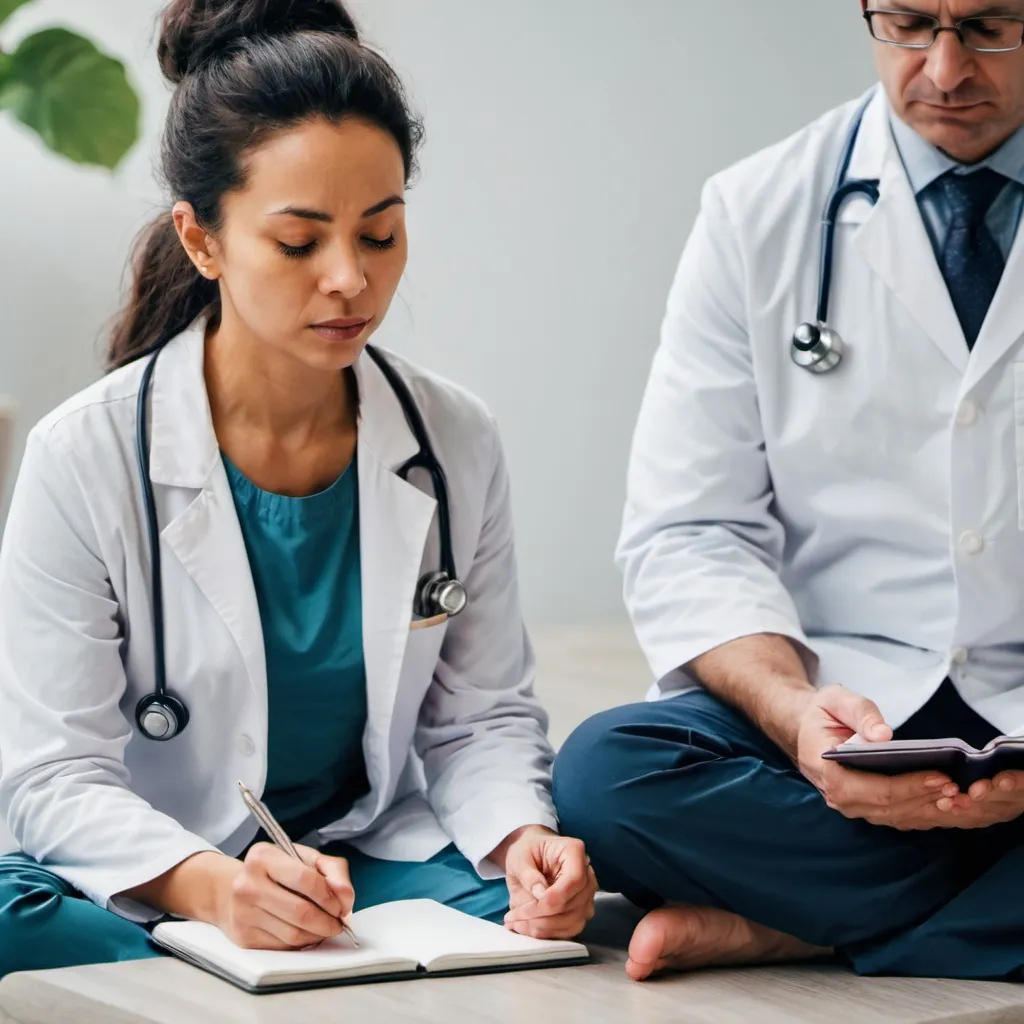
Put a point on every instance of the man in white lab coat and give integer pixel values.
(812, 556)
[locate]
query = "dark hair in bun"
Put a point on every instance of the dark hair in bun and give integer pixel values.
(195, 31)
(244, 69)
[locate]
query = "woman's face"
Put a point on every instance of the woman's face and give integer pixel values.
(312, 249)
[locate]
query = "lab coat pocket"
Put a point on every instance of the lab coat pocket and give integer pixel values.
(422, 654)
(1018, 427)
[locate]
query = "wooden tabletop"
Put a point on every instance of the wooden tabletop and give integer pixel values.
(167, 991)
(171, 992)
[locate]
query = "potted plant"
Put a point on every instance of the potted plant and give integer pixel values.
(76, 98)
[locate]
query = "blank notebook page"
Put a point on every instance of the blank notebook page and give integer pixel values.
(427, 931)
(254, 965)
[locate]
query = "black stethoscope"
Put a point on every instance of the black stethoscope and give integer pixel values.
(162, 716)
(816, 347)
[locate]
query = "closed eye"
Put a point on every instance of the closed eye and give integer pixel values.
(912, 22)
(297, 251)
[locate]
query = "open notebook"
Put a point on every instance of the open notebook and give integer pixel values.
(397, 941)
(963, 763)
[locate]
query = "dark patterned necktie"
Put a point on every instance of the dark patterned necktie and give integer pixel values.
(972, 262)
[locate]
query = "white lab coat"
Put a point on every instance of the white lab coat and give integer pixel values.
(105, 808)
(874, 514)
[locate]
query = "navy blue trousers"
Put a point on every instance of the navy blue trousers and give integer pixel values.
(685, 801)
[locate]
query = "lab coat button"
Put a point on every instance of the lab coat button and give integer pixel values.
(245, 745)
(959, 655)
(967, 414)
(971, 542)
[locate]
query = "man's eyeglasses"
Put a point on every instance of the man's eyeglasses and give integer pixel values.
(919, 31)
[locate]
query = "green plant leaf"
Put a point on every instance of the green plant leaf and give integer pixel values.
(8, 7)
(76, 98)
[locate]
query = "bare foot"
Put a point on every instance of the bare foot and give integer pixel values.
(682, 938)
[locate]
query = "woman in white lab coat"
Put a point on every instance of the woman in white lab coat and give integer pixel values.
(408, 754)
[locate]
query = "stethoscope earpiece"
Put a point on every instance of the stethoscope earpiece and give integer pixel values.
(817, 348)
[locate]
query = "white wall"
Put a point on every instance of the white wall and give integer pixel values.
(567, 144)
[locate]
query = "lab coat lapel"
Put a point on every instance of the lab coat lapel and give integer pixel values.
(894, 241)
(203, 532)
(394, 525)
(394, 518)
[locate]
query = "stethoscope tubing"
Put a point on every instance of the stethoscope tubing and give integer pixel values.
(160, 701)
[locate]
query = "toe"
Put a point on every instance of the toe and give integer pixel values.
(647, 945)
(638, 971)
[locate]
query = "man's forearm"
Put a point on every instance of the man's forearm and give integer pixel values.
(764, 677)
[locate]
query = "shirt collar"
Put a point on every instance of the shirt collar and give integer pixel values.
(925, 163)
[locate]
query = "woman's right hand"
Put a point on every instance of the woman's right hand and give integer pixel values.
(272, 901)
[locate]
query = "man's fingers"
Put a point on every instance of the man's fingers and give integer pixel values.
(856, 713)
(956, 804)
(846, 788)
(895, 814)
(979, 790)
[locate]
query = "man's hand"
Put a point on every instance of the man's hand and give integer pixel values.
(988, 802)
(765, 677)
(904, 802)
(551, 884)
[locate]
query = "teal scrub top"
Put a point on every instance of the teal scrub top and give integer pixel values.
(304, 556)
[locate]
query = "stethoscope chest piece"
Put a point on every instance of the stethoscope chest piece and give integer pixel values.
(817, 348)
(438, 594)
(161, 716)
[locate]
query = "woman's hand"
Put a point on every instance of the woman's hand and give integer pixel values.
(550, 882)
(272, 901)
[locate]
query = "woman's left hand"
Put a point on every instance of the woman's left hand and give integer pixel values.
(551, 884)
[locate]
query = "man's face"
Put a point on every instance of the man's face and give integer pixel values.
(965, 103)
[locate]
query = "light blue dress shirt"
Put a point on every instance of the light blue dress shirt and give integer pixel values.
(926, 163)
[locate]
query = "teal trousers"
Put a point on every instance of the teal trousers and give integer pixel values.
(45, 923)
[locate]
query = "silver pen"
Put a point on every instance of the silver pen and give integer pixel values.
(259, 810)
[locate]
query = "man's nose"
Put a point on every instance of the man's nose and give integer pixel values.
(949, 62)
